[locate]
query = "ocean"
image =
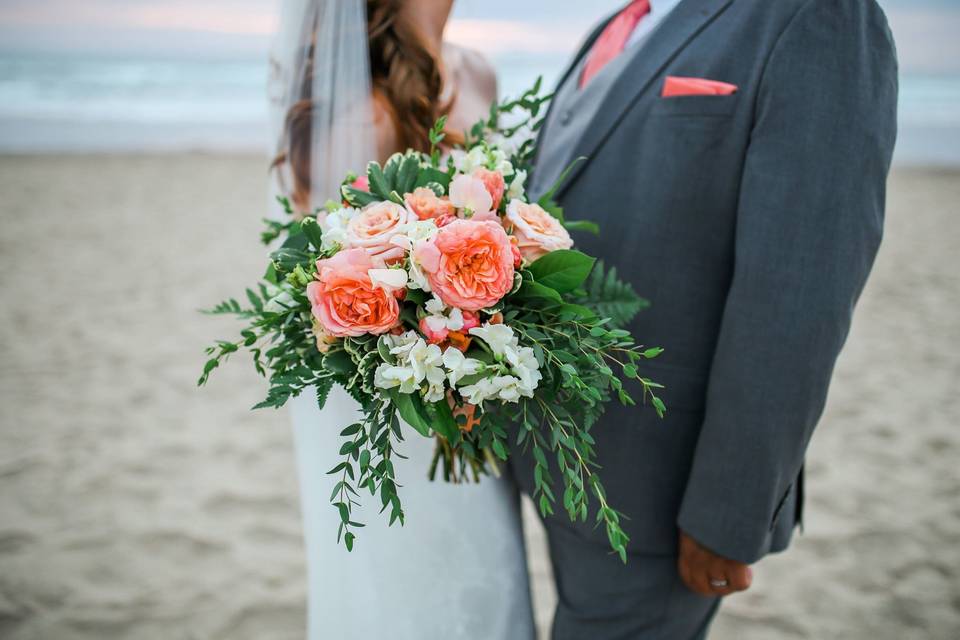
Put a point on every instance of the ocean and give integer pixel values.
(82, 103)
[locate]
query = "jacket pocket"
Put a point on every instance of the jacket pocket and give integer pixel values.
(696, 106)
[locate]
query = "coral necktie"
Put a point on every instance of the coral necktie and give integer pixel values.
(614, 38)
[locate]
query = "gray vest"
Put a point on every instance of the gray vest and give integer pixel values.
(572, 112)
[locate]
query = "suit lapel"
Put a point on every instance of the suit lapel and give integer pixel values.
(676, 31)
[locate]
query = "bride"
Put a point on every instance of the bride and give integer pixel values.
(355, 80)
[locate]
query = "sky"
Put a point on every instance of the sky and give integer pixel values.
(925, 29)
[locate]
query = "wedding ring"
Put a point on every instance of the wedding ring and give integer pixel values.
(718, 584)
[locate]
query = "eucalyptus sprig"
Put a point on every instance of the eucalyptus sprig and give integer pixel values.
(568, 311)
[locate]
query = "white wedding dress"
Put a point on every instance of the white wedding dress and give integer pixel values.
(457, 568)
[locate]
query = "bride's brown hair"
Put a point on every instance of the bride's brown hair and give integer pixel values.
(406, 80)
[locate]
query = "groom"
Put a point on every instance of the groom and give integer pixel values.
(737, 153)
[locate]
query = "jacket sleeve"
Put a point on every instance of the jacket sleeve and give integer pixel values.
(809, 223)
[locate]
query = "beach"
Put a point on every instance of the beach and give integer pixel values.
(133, 505)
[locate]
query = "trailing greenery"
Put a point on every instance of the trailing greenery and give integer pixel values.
(570, 310)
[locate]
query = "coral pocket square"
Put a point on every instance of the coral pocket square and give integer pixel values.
(674, 87)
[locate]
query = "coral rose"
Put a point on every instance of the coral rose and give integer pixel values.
(346, 301)
(536, 231)
(427, 205)
(494, 183)
(374, 228)
(468, 263)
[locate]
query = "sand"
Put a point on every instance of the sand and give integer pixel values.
(134, 506)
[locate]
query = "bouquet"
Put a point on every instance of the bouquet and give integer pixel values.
(441, 298)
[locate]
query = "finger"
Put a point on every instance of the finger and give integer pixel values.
(719, 585)
(740, 577)
(693, 578)
(701, 582)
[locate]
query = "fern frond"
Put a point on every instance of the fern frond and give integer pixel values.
(611, 297)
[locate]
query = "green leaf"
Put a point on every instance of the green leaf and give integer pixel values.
(443, 421)
(659, 406)
(312, 231)
(582, 225)
(287, 259)
(611, 297)
(339, 361)
(323, 390)
(411, 410)
(344, 511)
(540, 458)
(358, 198)
(426, 176)
(378, 182)
(562, 270)
(536, 290)
(392, 168)
(407, 175)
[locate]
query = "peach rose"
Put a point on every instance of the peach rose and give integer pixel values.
(468, 263)
(494, 183)
(427, 205)
(536, 231)
(375, 227)
(346, 300)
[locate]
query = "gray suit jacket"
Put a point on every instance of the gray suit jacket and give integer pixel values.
(751, 222)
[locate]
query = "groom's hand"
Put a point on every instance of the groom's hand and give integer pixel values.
(703, 571)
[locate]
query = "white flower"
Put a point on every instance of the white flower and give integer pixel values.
(506, 388)
(388, 376)
(334, 227)
(527, 369)
(416, 278)
(520, 362)
(401, 345)
(517, 187)
(501, 163)
(483, 156)
(466, 162)
(417, 364)
(467, 192)
(499, 337)
(476, 393)
(427, 361)
(435, 393)
(413, 233)
(388, 279)
(458, 365)
(442, 317)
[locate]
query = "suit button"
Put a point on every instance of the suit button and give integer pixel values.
(566, 116)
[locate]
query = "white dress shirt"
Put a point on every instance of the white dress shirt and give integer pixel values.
(659, 9)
